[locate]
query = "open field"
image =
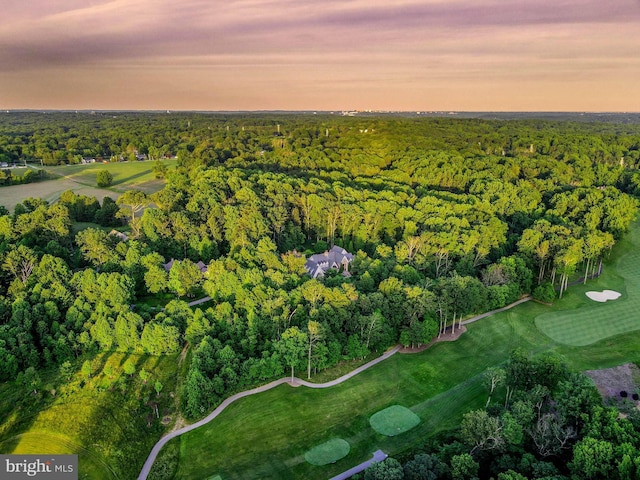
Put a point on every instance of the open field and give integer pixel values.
(108, 421)
(266, 436)
(82, 180)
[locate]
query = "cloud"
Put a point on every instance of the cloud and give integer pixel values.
(349, 48)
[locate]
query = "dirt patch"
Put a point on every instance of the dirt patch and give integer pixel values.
(611, 381)
(180, 423)
(445, 337)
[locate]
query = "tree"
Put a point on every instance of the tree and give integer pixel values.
(482, 431)
(291, 347)
(66, 370)
(30, 379)
(184, 277)
(493, 377)
(104, 178)
(314, 335)
(388, 469)
(160, 169)
(144, 375)
(97, 246)
(20, 262)
(158, 387)
(424, 467)
(135, 200)
(129, 367)
(86, 369)
(464, 467)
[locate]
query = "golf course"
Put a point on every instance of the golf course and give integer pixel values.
(271, 435)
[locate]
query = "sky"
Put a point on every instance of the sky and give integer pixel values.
(429, 55)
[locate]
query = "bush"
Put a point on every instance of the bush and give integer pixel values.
(104, 178)
(623, 394)
(545, 293)
(635, 396)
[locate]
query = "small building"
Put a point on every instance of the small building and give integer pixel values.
(337, 258)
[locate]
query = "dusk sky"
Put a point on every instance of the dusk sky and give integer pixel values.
(499, 55)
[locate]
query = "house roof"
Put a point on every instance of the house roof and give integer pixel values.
(335, 258)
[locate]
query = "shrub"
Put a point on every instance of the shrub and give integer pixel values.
(623, 394)
(104, 178)
(635, 396)
(545, 293)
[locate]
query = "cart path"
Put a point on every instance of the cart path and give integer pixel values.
(294, 382)
(378, 456)
(229, 400)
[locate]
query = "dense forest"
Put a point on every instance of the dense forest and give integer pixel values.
(445, 218)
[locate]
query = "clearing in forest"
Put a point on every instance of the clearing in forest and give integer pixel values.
(393, 420)
(328, 452)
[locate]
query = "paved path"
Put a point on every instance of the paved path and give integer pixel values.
(378, 456)
(199, 301)
(294, 382)
(228, 401)
(487, 314)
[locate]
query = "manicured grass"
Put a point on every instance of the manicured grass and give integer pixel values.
(328, 452)
(126, 175)
(109, 421)
(587, 321)
(393, 420)
(266, 436)
(82, 180)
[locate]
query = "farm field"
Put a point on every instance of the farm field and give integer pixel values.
(82, 180)
(266, 436)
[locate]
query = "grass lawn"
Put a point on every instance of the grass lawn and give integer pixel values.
(109, 421)
(267, 435)
(126, 175)
(393, 420)
(328, 452)
(82, 180)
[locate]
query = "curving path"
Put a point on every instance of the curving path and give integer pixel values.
(228, 401)
(293, 382)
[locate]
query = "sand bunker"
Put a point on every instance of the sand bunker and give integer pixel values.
(603, 296)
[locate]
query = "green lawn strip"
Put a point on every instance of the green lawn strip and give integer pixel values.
(393, 420)
(328, 452)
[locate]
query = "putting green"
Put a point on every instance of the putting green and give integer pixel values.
(588, 321)
(393, 420)
(328, 452)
